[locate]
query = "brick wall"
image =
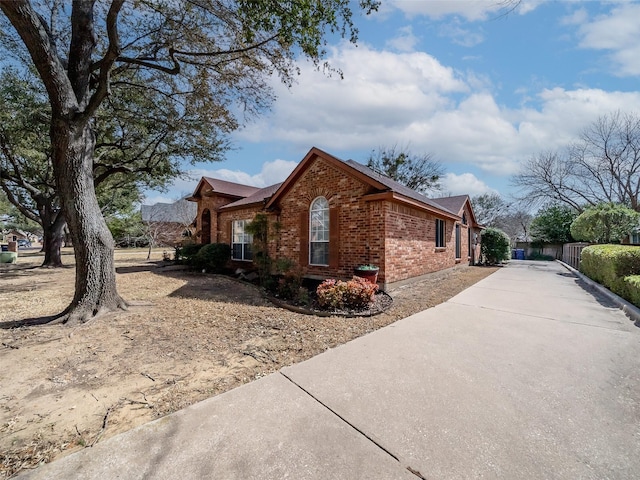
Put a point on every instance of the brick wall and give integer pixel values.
(359, 223)
(411, 243)
(212, 203)
(225, 222)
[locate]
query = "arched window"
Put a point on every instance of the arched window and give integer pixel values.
(319, 232)
(464, 218)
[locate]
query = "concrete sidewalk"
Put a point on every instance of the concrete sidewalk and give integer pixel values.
(523, 375)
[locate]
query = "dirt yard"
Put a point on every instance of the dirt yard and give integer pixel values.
(186, 337)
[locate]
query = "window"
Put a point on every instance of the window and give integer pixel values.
(319, 232)
(241, 241)
(635, 238)
(458, 242)
(440, 233)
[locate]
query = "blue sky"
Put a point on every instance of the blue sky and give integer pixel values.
(479, 90)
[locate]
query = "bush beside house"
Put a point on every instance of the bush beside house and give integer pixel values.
(494, 246)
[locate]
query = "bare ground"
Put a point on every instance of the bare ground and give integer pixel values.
(186, 337)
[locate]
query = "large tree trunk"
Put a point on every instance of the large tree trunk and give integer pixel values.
(52, 239)
(95, 289)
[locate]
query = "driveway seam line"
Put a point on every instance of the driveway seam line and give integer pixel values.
(540, 316)
(361, 432)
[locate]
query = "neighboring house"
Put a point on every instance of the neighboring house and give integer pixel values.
(15, 235)
(334, 215)
(169, 223)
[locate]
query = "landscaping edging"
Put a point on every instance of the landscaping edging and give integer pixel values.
(627, 307)
(322, 313)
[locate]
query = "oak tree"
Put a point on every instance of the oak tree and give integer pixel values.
(217, 54)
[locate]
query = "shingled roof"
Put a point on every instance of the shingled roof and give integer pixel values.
(261, 196)
(400, 188)
(208, 185)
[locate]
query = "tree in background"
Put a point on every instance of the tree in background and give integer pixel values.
(603, 165)
(26, 169)
(488, 207)
(419, 172)
(492, 210)
(494, 246)
(605, 223)
(209, 56)
(552, 224)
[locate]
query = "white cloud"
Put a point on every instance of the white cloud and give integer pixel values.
(471, 10)
(619, 33)
(460, 35)
(465, 183)
(412, 99)
(405, 41)
(382, 92)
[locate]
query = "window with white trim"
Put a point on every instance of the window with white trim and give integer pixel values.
(319, 232)
(241, 241)
(440, 233)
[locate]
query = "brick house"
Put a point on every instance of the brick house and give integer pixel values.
(334, 215)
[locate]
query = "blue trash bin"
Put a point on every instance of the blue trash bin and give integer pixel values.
(519, 254)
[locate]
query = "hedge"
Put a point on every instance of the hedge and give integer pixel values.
(633, 288)
(611, 265)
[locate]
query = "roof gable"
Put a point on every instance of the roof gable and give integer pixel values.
(380, 182)
(208, 186)
(309, 158)
(457, 204)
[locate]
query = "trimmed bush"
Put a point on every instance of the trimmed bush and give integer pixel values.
(186, 252)
(212, 257)
(357, 293)
(494, 246)
(610, 265)
(632, 283)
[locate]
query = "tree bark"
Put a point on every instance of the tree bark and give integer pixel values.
(95, 287)
(52, 239)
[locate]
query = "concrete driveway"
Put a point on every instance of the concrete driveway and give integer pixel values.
(525, 375)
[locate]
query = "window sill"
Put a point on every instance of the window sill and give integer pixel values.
(318, 265)
(241, 260)
(441, 249)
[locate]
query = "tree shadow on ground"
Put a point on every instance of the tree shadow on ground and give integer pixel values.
(217, 288)
(601, 298)
(136, 269)
(29, 322)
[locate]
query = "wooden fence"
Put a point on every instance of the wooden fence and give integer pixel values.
(571, 253)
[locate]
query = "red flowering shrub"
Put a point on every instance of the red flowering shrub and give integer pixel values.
(357, 293)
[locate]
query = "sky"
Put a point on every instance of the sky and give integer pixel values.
(479, 88)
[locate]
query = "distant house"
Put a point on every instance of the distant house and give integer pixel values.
(170, 223)
(15, 235)
(334, 215)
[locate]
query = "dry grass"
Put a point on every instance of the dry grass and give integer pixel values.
(187, 337)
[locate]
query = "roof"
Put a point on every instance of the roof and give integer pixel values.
(261, 196)
(447, 206)
(182, 211)
(455, 204)
(400, 188)
(223, 187)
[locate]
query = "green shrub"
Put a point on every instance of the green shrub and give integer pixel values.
(212, 257)
(494, 246)
(633, 289)
(357, 293)
(186, 252)
(609, 265)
